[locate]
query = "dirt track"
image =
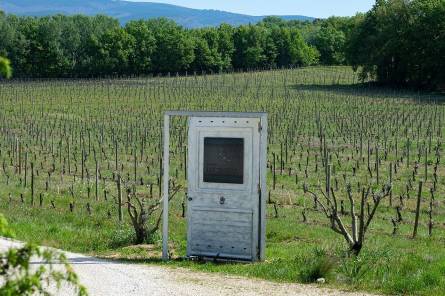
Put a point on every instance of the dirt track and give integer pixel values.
(109, 278)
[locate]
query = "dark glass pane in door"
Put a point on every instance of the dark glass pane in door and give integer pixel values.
(224, 160)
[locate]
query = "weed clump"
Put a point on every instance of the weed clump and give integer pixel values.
(321, 265)
(122, 237)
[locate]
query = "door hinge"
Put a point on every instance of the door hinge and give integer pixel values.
(260, 127)
(259, 188)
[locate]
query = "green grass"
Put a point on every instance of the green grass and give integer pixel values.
(91, 115)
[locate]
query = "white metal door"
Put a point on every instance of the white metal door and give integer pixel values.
(223, 187)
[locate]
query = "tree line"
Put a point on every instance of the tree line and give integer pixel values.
(397, 42)
(84, 46)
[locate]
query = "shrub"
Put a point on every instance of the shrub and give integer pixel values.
(5, 68)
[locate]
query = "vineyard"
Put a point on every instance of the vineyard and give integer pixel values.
(75, 153)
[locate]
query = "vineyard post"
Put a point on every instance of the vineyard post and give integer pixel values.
(15, 154)
(390, 182)
(407, 153)
(82, 162)
(416, 222)
(97, 178)
(20, 158)
(426, 164)
(166, 138)
(430, 214)
(369, 152)
(185, 162)
(119, 197)
(135, 165)
(32, 183)
(68, 157)
(274, 172)
(377, 163)
(328, 180)
(26, 168)
(115, 153)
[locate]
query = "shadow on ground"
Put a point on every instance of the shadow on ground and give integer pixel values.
(373, 90)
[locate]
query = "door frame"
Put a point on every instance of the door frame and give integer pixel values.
(263, 129)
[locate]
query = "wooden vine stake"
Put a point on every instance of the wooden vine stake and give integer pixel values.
(416, 221)
(32, 183)
(119, 197)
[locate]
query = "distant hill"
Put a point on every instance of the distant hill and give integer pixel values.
(126, 11)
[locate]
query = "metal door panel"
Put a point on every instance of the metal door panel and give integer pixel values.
(221, 232)
(223, 218)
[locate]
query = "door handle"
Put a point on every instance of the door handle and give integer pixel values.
(222, 200)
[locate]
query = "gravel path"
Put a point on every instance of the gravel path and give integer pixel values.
(109, 278)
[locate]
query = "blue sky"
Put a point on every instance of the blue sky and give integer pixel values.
(315, 8)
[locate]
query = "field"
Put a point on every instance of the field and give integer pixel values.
(64, 142)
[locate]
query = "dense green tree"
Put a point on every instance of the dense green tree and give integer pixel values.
(426, 59)
(47, 51)
(250, 47)
(174, 48)
(331, 38)
(401, 42)
(330, 42)
(292, 49)
(207, 53)
(111, 52)
(6, 34)
(204, 59)
(144, 47)
(226, 46)
(90, 28)
(20, 46)
(378, 44)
